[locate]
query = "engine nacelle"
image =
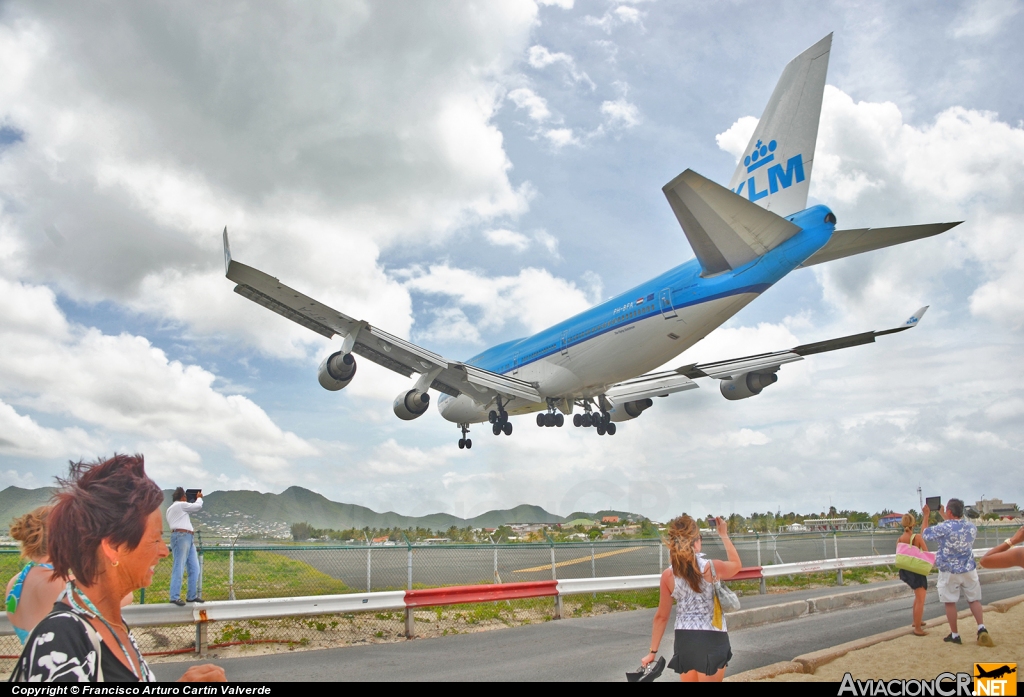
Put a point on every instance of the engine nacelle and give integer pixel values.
(747, 385)
(630, 410)
(336, 371)
(411, 405)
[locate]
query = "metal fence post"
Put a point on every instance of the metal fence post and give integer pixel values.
(369, 544)
(554, 577)
(593, 565)
(661, 557)
(410, 620)
(231, 570)
(142, 596)
(839, 572)
(199, 581)
(762, 588)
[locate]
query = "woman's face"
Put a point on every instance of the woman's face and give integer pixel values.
(135, 568)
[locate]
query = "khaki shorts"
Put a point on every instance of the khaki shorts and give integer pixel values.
(949, 586)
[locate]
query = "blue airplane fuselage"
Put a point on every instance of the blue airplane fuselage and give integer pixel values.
(638, 330)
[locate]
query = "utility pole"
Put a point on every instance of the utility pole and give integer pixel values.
(920, 498)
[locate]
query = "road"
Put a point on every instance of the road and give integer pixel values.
(586, 649)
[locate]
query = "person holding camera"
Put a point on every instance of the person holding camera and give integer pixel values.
(957, 570)
(183, 545)
(701, 651)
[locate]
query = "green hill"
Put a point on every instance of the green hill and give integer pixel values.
(267, 512)
(15, 501)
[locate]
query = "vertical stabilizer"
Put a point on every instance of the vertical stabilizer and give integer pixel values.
(775, 171)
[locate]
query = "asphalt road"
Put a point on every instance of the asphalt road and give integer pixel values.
(586, 649)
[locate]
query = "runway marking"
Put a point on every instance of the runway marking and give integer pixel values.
(579, 560)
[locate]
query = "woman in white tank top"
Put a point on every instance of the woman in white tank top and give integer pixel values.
(701, 650)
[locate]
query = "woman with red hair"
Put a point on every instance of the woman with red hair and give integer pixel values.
(105, 540)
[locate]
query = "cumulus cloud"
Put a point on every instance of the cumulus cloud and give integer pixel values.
(139, 157)
(508, 238)
(535, 105)
(560, 137)
(735, 138)
(621, 113)
(617, 16)
(117, 386)
(540, 57)
(534, 298)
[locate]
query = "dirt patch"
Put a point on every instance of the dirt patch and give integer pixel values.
(925, 657)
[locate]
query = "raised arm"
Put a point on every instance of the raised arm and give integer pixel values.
(727, 569)
(1004, 555)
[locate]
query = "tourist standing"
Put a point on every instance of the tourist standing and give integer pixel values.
(32, 593)
(701, 650)
(183, 546)
(954, 558)
(917, 582)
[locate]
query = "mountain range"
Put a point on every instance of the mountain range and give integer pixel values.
(296, 505)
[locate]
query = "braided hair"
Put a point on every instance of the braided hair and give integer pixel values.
(682, 534)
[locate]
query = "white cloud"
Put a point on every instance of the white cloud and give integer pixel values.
(534, 104)
(534, 297)
(735, 138)
(560, 137)
(617, 16)
(120, 385)
(540, 57)
(983, 18)
(139, 157)
(621, 113)
(508, 238)
(564, 4)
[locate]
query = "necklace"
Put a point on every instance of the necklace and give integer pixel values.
(93, 611)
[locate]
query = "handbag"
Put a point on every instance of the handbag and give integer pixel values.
(911, 558)
(724, 599)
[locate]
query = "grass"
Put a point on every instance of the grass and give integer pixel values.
(781, 584)
(258, 574)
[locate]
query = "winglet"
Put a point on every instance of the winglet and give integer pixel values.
(227, 252)
(916, 317)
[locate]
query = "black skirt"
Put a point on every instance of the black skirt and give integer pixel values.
(913, 580)
(701, 650)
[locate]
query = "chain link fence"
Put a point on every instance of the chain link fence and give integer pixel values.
(243, 571)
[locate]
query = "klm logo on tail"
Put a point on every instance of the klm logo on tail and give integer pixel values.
(778, 178)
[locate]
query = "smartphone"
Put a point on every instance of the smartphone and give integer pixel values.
(711, 521)
(191, 494)
(934, 503)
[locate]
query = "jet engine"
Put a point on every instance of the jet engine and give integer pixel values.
(411, 405)
(336, 371)
(630, 410)
(747, 385)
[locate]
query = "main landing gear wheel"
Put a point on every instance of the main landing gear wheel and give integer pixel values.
(496, 429)
(609, 429)
(559, 420)
(577, 420)
(493, 416)
(507, 428)
(541, 420)
(465, 442)
(600, 429)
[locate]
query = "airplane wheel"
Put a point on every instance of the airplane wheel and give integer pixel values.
(577, 420)
(600, 429)
(462, 443)
(549, 420)
(507, 428)
(606, 418)
(559, 420)
(540, 420)
(469, 444)
(611, 429)
(493, 416)
(496, 429)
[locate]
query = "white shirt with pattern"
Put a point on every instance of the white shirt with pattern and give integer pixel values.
(696, 610)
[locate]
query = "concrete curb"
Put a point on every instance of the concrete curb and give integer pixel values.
(766, 672)
(810, 662)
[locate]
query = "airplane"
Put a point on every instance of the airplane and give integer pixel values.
(746, 238)
(995, 673)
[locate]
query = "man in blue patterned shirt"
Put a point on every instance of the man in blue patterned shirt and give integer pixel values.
(954, 559)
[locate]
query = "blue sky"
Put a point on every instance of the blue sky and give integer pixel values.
(466, 173)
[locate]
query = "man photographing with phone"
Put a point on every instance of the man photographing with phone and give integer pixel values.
(183, 544)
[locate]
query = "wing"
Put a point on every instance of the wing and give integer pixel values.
(770, 362)
(372, 343)
(665, 383)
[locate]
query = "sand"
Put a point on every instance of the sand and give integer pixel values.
(926, 657)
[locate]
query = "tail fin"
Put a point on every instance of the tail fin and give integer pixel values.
(775, 172)
(725, 230)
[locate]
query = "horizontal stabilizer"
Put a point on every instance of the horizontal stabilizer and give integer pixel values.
(726, 231)
(846, 243)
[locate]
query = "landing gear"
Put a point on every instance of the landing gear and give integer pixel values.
(602, 420)
(499, 421)
(550, 419)
(465, 442)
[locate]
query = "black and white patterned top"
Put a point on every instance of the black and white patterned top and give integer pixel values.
(696, 610)
(63, 648)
